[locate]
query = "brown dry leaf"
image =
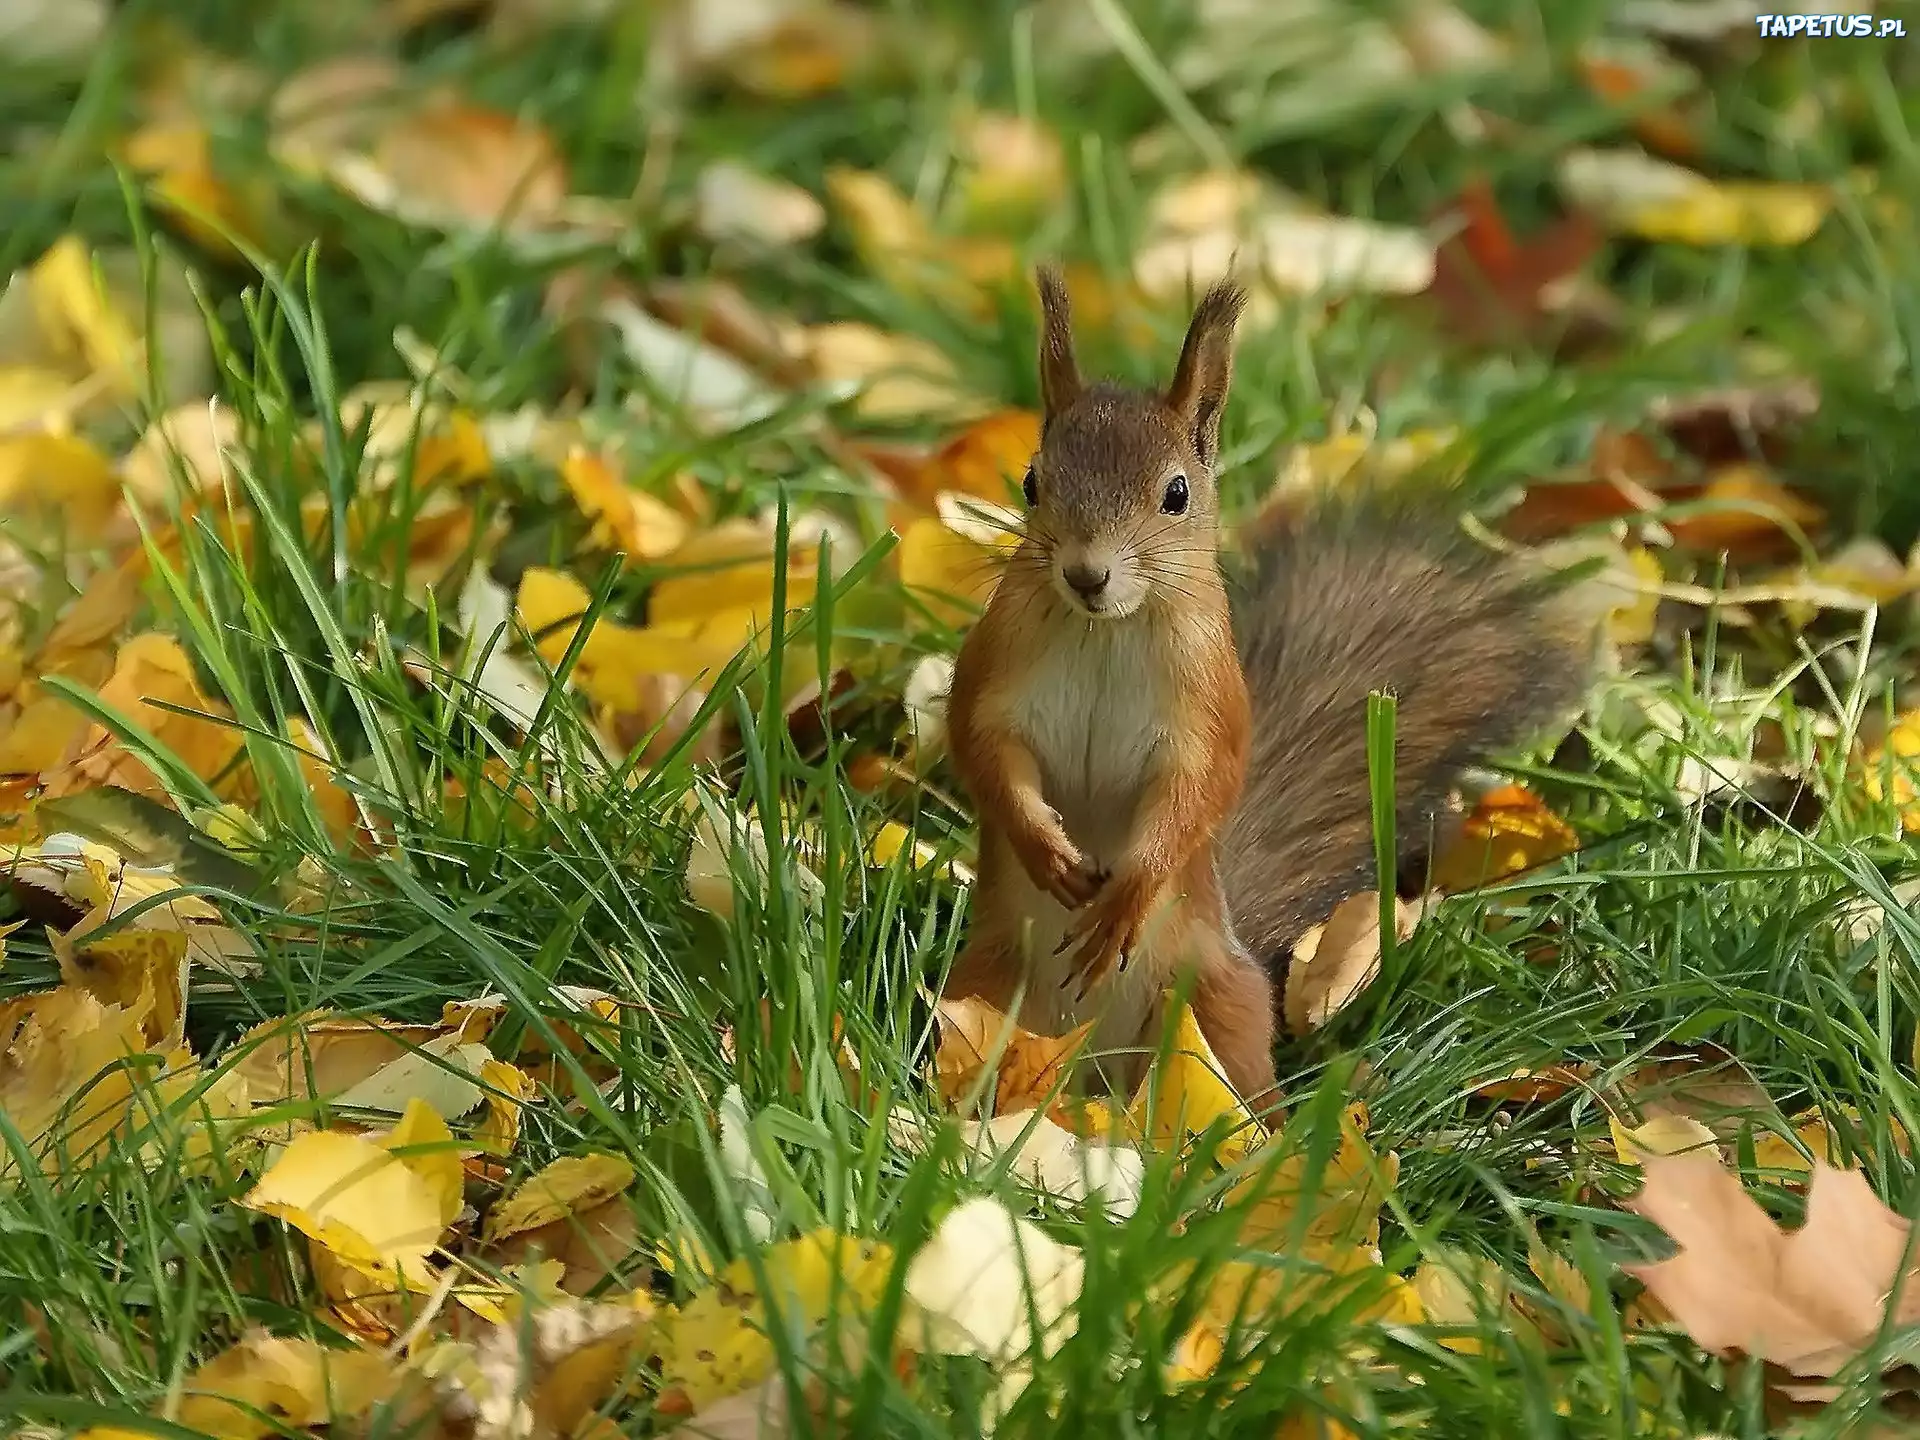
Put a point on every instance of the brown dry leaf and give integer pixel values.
(1745, 513)
(1509, 831)
(1491, 286)
(1627, 76)
(592, 1244)
(1337, 959)
(452, 163)
(1808, 1301)
(1530, 1087)
(1028, 1069)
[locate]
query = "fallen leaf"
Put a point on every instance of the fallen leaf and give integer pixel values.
(151, 672)
(1509, 831)
(142, 971)
(1488, 284)
(1185, 1093)
(266, 1384)
(978, 1042)
(57, 480)
(1337, 959)
(543, 1376)
(1639, 74)
(1030, 1147)
(319, 1055)
(734, 203)
(991, 1285)
(371, 1209)
(1283, 1203)
(1634, 193)
(450, 163)
(889, 376)
(1011, 166)
(569, 1186)
(1744, 512)
(718, 1343)
(1809, 1301)
(625, 519)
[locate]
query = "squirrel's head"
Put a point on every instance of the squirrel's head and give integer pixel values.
(1121, 502)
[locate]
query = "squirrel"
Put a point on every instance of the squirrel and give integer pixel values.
(1120, 692)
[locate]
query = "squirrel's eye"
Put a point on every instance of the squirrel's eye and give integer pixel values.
(1031, 488)
(1174, 502)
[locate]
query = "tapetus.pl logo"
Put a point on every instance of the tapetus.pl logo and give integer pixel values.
(1785, 27)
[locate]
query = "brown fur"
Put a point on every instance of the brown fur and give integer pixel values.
(1105, 741)
(1365, 592)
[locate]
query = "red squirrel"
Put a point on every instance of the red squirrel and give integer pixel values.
(1120, 692)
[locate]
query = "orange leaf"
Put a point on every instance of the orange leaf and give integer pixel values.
(475, 164)
(1029, 1068)
(1510, 831)
(1748, 508)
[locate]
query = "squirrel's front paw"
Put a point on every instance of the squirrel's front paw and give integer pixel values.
(1055, 864)
(1106, 934)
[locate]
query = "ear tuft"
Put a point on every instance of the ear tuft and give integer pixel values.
(1198, 393)
(1059, 371)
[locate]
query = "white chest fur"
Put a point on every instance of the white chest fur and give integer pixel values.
(1095, 714)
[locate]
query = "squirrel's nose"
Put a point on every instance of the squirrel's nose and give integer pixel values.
(1085, 581)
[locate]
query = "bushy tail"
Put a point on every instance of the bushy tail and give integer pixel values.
(1362, 592)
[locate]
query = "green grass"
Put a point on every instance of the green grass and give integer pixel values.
(1678, 923)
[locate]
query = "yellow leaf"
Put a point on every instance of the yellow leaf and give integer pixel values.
(41, 733)
(195, 436)
(641, 525)
(1011, 166)
(1660, 1135)
(178, 161)
(152, 672)
(570, 1184)
(422, 1142)
(589, 1245)
(54, 1048)
(35, 398)
(1186, 1092)
(316, 1054)
(77, 319)
(953, 575)
(509, 1089)
(718, 1344)
(142, 971)
(893, 376)
(1285, 1204)
(1658, 200)
(1462, 1291)
(265, 1385)
(1510, 831)
(58, 478)
(1897, 754)
(358, 1200)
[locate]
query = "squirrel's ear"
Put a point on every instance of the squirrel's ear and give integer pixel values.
(1059, 372)
(1199, 390)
